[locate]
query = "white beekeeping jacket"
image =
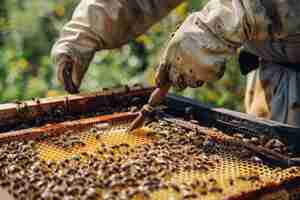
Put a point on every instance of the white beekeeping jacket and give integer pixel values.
(106, 24)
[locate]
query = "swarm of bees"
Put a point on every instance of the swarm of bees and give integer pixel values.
(140, 172)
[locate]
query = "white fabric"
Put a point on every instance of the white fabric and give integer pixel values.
(200, 47)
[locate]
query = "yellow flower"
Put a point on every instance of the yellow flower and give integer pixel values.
(60, 10)
(53, 93)
(22, 63)
(144, 39)
(182, 10)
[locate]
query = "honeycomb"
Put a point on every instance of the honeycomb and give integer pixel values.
(161, 161)
(114, 136)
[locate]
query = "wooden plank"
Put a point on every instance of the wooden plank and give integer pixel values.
(61, 128)
(12, 113)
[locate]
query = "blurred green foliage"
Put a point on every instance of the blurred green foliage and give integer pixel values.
(29, 28)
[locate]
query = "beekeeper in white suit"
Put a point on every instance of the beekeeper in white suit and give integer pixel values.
(265, 30)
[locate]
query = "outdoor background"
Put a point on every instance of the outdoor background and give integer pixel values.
(28, 29)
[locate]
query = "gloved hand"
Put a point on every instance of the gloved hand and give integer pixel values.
(69, 74)
(198, 51)
(193, 56)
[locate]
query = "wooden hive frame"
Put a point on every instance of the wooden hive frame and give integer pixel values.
(13, 113)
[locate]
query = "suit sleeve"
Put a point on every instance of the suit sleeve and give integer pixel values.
(200, 47)
(107, 24)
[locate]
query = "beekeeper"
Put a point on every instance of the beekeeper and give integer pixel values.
(264, 33)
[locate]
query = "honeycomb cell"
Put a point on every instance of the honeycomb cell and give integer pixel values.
(160, 162)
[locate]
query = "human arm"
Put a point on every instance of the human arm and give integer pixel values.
(104, 24)
(198, 50)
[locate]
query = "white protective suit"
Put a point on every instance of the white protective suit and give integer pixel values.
(197, 53)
